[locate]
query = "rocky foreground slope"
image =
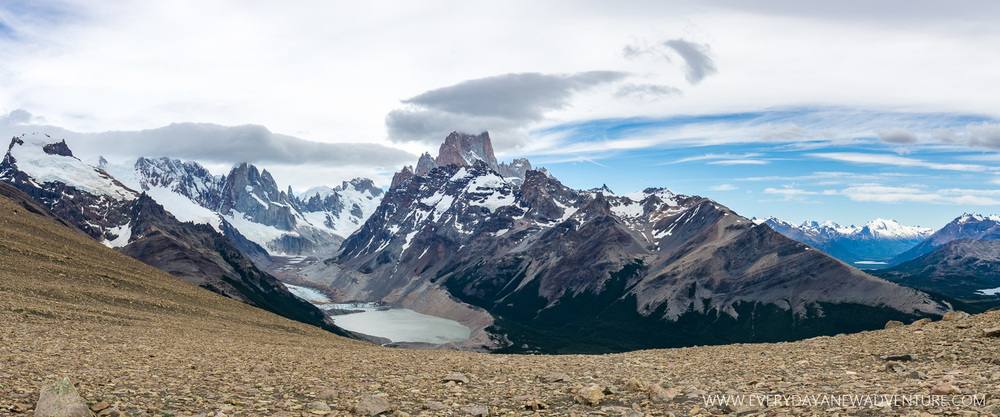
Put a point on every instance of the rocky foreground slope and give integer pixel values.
(137, 341)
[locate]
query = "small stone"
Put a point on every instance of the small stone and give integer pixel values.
(555, 377)
(327, 394)
(892, 324)
(954, 315)
(456, 377)
(319, 407)
(901, 358)
(372, 406)
(657, 393)
(636, 385)
(945, 389)
(916, 375)
(435, 406)
(477, 410)
(535, 405)
(921, 322)
(99, 406)
(592, 395)
(110, 412)
(992, 332)
(894, 366)
(59, 398)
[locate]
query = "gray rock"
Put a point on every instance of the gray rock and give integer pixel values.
(992, 332)
(892, 324)
(477, 410)
(555, 377)
(319, 407)
(916, 375)
(327, 394)
(60, 399)
(110, 412)
(456, 377)
(921, 322)
(895, 366)
(372, 406)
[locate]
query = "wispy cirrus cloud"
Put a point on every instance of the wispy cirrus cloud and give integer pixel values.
(895, 160)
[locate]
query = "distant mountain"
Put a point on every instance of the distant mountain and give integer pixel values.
(536, 266)
(967, 226)
(463, 149)
(133, 223)
(871, 246)
(248, 200)
(965, 269)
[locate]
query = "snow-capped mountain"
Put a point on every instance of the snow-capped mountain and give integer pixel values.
(966, 269)
(536, 265)
(135, 224)
(872, 245)
(967, 226)
(250, 201)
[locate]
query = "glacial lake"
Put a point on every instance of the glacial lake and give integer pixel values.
(992, 291)
(397, 325)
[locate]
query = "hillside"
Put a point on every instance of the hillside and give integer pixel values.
(962, 269)
(147, 343)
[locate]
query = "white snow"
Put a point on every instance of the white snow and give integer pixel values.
(967, 217)
(631, 209)
(43, 168)
(183, 208)
(256, 232)
(404, 325)
(409, 237)
(440, 201)
(306, 293)
(124, 233)
(664, 194)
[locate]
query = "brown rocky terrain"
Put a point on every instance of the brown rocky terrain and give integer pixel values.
(137, 341)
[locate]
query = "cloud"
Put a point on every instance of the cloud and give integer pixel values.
(985, 135)
(886, 159)
(889, 194)
(897, 136)
(502, 102)
(650, 92)
(699, 64)
(739, 162)
(211, 143)
(727, 156)
(723, 187)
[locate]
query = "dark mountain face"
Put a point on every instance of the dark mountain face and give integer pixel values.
(548, 268)
(133, 223)
(967, 226)
(964, 269)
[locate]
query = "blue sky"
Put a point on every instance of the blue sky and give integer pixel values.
(842, 111)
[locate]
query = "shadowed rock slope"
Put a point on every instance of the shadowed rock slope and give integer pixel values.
(146, 343)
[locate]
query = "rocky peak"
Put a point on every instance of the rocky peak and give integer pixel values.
(403, 175)
(516, 169)
(463, 149)
(425, 164)
(255, 195)
(58, 148)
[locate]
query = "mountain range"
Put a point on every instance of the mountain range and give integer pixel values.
(534, 266)
(871, 246)
(528, 264)
(135, 224)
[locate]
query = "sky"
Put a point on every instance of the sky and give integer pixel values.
(844, 111)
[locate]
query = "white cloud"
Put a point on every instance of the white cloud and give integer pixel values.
(891, 194)
(887, 159)
(739, 162)
(724, 187)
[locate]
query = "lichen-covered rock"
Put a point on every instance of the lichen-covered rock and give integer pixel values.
(60, 399)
